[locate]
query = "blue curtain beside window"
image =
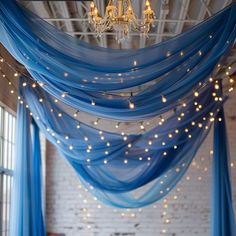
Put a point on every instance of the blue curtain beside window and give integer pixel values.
(26, 211)
(223, 221)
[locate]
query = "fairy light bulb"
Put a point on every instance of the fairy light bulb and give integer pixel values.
(117, 125)
(217, 86)
(168, 54)
(41, 84)
(16, 74)
(142, 126)
(64, 94)
(164, 99)
(76, 113)
(196, 94)
(96, 121)
(131, 105)
(93, 103)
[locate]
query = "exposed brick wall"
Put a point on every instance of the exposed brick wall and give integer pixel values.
(184, 212)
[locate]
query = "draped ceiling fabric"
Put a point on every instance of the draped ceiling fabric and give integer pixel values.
(125, 170)
(88, 75)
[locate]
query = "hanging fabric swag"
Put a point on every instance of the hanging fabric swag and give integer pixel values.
(87, 77)
(178, 81)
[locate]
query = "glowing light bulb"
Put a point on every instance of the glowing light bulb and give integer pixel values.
(131, 105)
(64, 94)
(142, 126)
(164, 99)
(217, 86)
(96, 122)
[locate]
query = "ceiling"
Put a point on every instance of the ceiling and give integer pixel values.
(172, 18)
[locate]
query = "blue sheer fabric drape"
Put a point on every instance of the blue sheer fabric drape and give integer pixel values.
(223, 220)
(38, 220)
(89, 75)
(114, 166)
(129, 170)
(26, 217)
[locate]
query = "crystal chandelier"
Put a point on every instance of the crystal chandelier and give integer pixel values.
(120, 16)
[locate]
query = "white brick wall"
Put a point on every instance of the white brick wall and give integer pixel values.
(73, 211)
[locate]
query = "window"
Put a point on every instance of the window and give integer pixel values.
(7, 145)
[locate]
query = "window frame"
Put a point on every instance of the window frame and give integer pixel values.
(6, 172)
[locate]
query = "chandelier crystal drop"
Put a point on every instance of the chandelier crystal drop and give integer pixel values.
(120, 17)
